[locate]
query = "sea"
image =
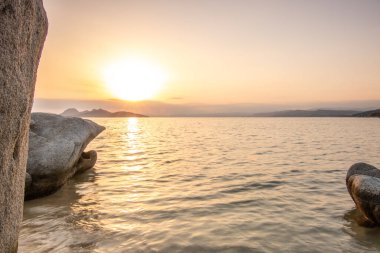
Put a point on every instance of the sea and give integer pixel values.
(211, 185)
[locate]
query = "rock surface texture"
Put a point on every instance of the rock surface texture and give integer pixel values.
(23, 28)
(363, 184)
(56, 151)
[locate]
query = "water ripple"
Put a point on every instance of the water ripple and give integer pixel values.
(211, 185)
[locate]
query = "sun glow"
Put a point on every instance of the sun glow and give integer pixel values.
(134, 79)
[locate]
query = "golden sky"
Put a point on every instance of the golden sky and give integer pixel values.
(236, 51)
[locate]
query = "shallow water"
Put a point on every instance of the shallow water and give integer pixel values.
(211, 185)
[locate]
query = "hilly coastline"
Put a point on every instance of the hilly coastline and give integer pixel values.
(320, 113)
(99, 113)
(72, 112)
(309, 113)
(373, 113)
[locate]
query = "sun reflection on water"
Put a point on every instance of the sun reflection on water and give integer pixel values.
(133, 125)
(133, 149)
(169, 185)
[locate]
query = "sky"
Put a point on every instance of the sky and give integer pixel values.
(216, 51)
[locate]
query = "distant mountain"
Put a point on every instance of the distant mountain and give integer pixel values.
(72, 112)
(308, 113)
(373, 113)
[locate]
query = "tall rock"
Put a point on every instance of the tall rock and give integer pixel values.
(23, 28)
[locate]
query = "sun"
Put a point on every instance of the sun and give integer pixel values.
(134, 79)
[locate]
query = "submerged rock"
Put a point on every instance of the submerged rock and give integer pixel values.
(363, 184)
(56, 151)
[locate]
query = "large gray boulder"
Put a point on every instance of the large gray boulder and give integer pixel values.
(363, 184)
(23, 28)
(56, 151)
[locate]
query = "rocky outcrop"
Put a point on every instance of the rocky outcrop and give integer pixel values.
(363, 184)
(23, 28)
(56, 151)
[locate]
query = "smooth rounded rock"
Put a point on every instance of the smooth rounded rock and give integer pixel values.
(363, 169)
(56, 151)
(363, 184)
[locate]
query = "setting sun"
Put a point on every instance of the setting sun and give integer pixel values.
(134, 79)
(189, 126)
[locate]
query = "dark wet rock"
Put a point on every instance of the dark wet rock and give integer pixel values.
(56, 151)
(363, 184)
(23, 28)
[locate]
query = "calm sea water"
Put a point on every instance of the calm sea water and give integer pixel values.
(211, 185)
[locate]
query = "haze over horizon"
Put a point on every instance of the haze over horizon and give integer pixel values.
(157, 108)
(218, 55)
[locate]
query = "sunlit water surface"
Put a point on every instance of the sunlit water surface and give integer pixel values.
(211, 185)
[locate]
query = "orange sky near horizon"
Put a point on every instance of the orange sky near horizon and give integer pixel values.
(224, 51)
